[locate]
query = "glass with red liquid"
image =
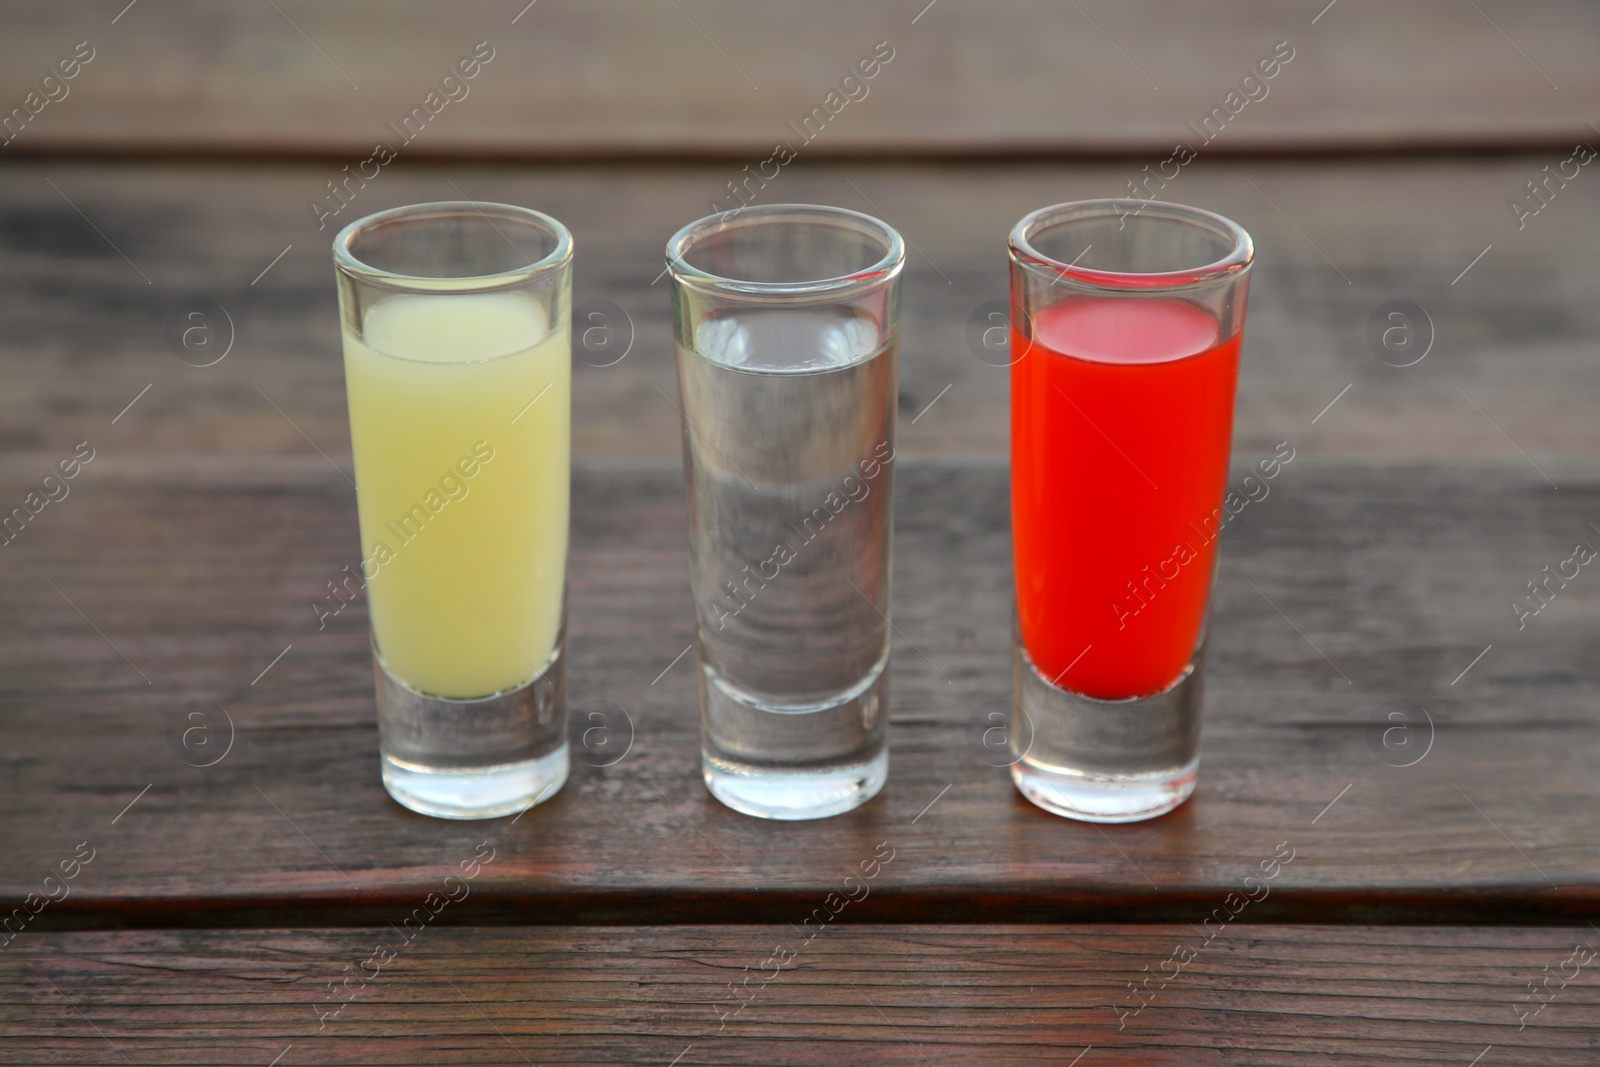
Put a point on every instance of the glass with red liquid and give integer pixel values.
(1126, 320)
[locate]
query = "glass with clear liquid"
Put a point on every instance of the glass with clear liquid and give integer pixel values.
(787, 343)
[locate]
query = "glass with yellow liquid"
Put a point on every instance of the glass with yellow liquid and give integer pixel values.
(458, 360)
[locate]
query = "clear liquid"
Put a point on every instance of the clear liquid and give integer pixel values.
(788, 453)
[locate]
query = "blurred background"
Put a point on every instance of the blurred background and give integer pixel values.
(1376, 163)
(681, 79)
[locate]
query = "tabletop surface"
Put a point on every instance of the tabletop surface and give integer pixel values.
(179, 731)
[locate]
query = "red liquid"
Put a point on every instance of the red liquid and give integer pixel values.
(1121, 420)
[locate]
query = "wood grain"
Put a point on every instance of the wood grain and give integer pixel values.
(1279, 996)
(201, 573)
(85, 333)
(701, 77)
(170, 592)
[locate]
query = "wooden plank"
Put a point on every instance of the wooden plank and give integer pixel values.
(1276, 996)
(714, 76)
(1514, 323)
(189, 580)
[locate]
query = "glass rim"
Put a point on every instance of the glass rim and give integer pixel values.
(886, 269)
(1238, 260)
(348, 263)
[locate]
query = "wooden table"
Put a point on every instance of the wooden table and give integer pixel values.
(169, 706)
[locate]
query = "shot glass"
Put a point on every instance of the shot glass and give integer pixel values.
(457, 352)
(786, 321)
(1126, 321)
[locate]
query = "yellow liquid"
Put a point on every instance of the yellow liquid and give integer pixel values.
(462, 485)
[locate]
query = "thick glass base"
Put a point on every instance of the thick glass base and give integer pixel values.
(485, 793)
(795, 764)
(803, 794)
(1105, 798)
(1105, 760)
(474, 759)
